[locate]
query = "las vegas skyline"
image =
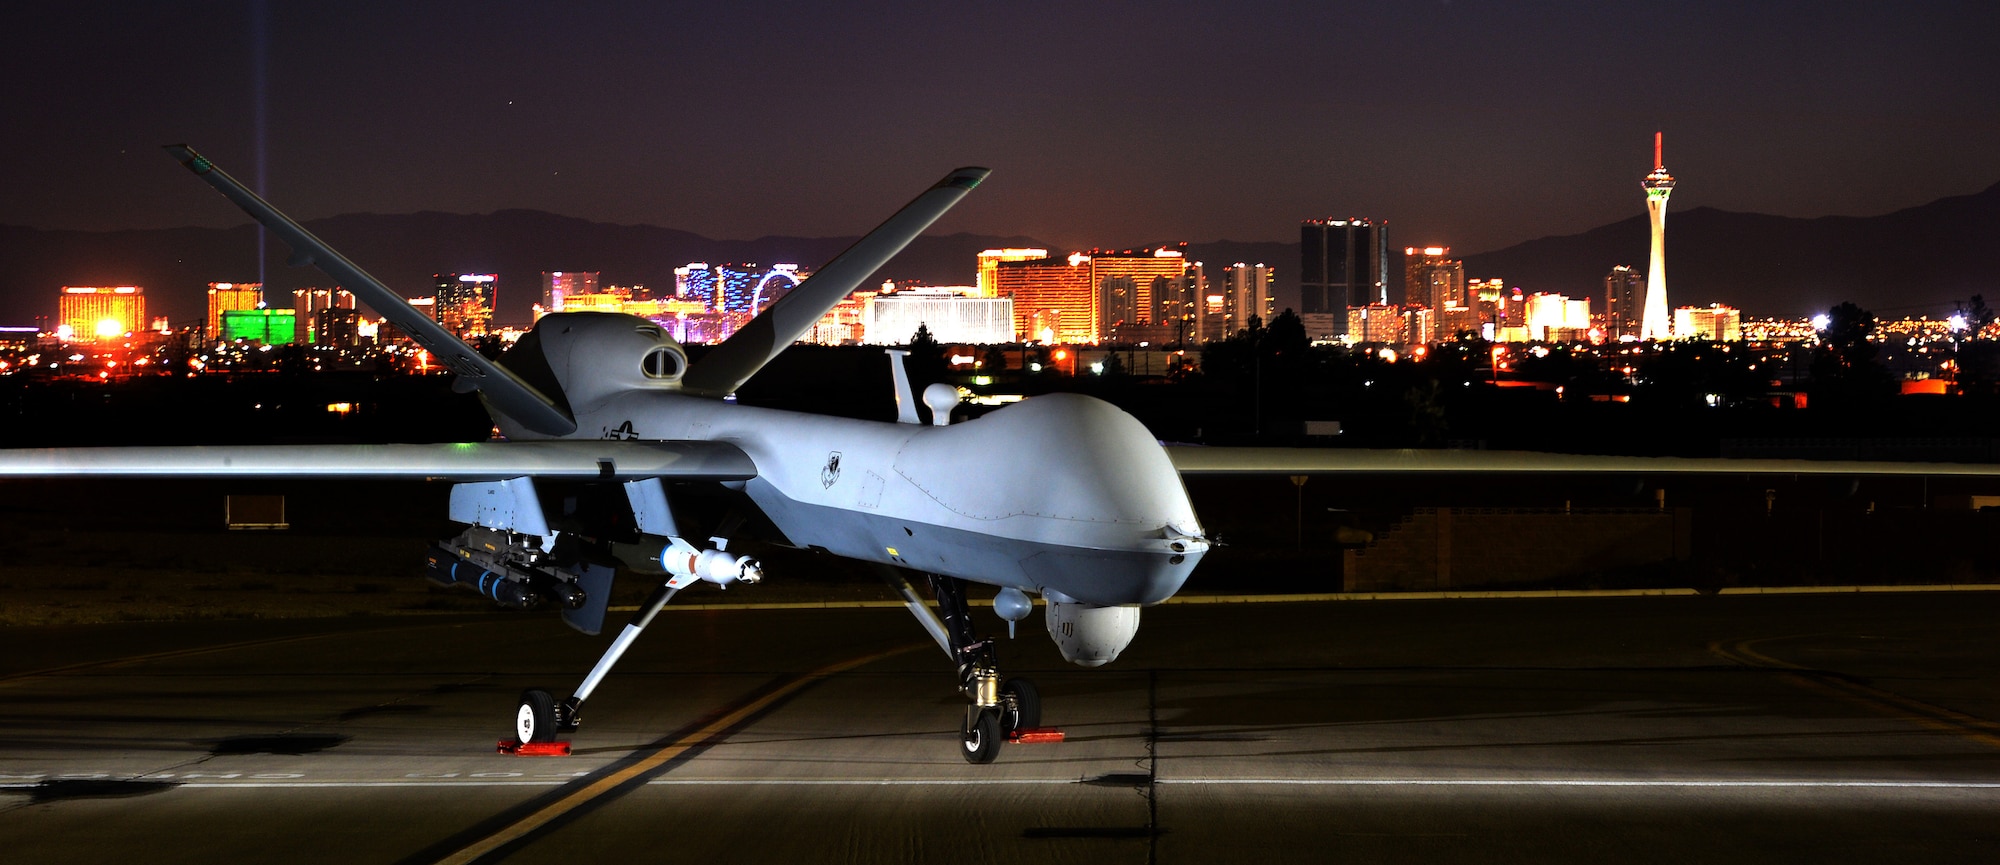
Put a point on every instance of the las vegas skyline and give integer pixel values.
(1470, 124)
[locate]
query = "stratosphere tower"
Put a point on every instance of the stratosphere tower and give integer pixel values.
(1657, 321)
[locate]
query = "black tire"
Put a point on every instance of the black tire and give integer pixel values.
(1020, 706)
(979, 737)
(535, 717)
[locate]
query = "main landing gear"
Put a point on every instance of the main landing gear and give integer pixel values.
(998, 709)
(540, 718)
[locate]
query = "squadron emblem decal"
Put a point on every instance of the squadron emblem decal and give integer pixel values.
(831, 472)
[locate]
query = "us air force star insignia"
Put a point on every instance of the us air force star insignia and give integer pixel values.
(831, 472)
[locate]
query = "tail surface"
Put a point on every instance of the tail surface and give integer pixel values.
(727, 366)
(504, 390)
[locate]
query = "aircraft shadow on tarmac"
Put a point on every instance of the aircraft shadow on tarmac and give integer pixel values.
(59, 789)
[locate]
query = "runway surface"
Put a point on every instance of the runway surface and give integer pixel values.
(1855, 728)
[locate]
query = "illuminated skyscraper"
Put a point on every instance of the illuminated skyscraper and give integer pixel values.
(695, 281)
(1134, 285)
(1419, 324)
(559, 285)
(337, 326)
(1246, 294)
(308, 304)
(989, 265)
(465, 302)
(1433, 279)
(1189, 321)
(1344, 262)
(101, 314)
(1092, 296)
(226, 296)
(736, 287)
(1656, 324)
(1713, 322)
(1553, 317)
(1054, 300)
(1375, 322)
(1622, 287)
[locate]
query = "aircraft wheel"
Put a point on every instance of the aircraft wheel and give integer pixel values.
(980, 736)
(535, 718)
(1020, 706)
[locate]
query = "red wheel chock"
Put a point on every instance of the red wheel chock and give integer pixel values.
(519, 748)
(1035, 736)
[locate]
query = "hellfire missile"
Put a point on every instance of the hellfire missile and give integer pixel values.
(518, 588)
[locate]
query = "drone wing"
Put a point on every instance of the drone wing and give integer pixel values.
(482, 461)
(1191, 460)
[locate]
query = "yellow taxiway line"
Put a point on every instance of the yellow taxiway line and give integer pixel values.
(1884, 702)
(660, 756)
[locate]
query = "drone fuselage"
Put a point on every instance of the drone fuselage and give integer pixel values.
(1061, 493)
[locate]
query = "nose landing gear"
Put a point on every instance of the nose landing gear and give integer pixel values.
(998, 709)
(1008, 710)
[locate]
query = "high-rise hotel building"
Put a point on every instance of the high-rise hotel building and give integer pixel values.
(230, 297)
(1714, 322)
(1623, 289)
(989, 266)
(1088, 297)
(1433, 278)
(101, 313)
(1344, 263)
(465, 302)
(1246, 295)
(560, 285)
(326, 316)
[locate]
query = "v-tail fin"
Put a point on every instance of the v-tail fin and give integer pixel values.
(730, 364)
(504, 391)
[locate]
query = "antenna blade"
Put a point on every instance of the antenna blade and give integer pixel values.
(727, 366)
(505, 390)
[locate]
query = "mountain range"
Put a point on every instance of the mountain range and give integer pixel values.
(1916, 261)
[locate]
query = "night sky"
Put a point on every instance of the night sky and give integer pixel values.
(1474, 124)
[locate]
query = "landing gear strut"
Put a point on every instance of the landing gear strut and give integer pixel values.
(539, 718)
(997, 709)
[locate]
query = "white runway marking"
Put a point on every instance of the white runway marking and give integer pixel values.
(1650, 783)
(1572, 782)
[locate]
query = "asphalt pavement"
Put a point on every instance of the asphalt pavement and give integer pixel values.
(1852, 728)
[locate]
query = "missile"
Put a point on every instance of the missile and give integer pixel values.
(516, 588)
(688, 563)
